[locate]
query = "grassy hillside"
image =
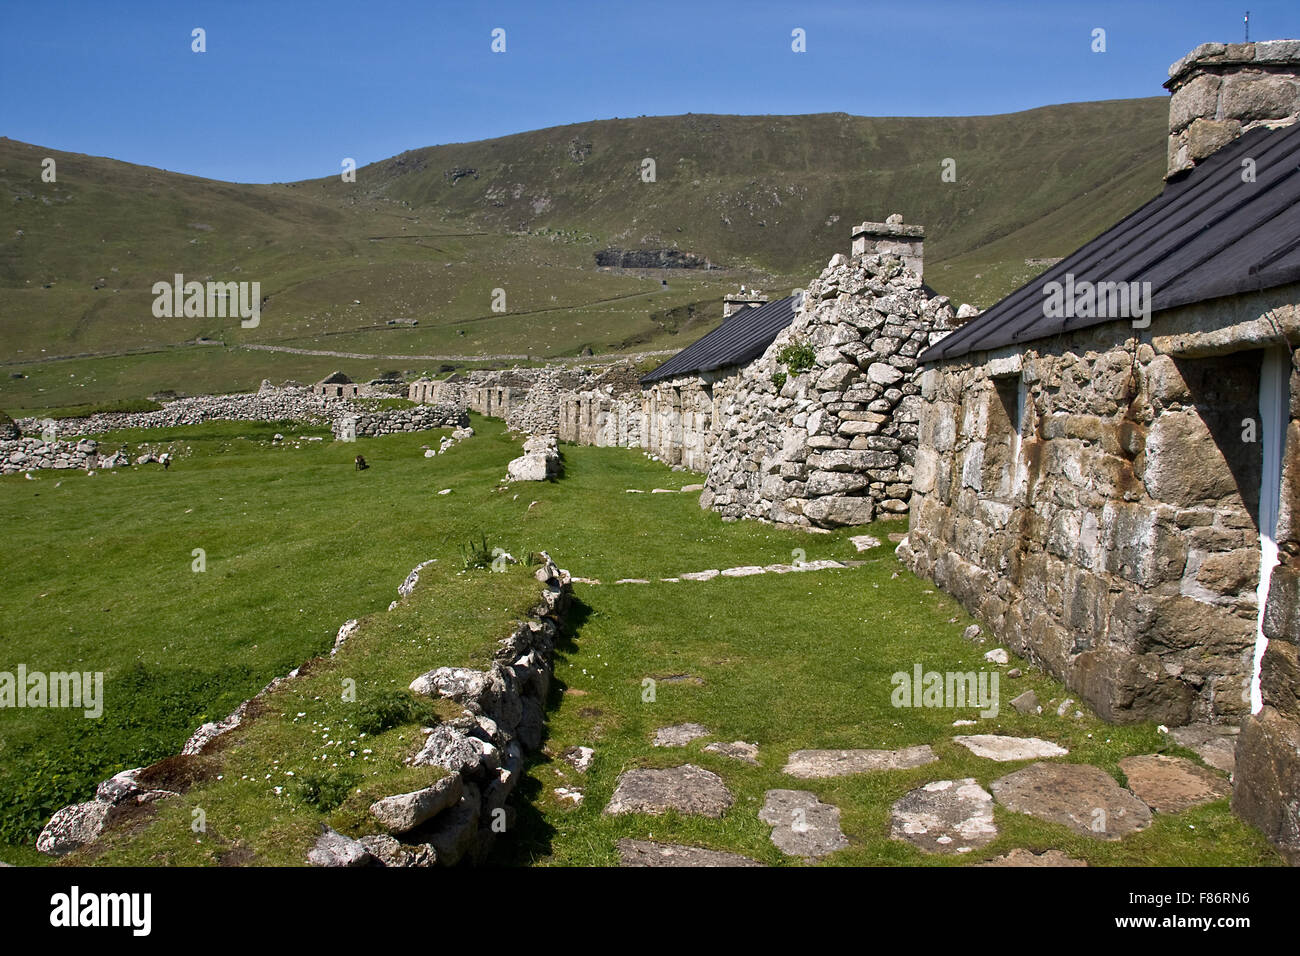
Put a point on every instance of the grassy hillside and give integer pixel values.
(428, 235)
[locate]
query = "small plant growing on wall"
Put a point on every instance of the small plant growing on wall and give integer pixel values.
(797, 357)
(778, 379)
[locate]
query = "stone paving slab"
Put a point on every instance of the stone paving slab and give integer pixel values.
(1172, 784)
(1216, 744)
(687, 789)
(811, 764)
(802, 825)
(945, 816)
(1082, 797)
(1022, 857)
(736, 750)
(1006, 749)
(649, 853)
(679, 735)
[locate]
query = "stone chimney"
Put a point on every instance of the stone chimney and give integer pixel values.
(1221, 90)
(733, 302)
(892, 237)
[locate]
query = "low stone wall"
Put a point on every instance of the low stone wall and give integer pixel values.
(833, 445)
(269, 403)
(394, 420)
(461, 814)
(32, 454)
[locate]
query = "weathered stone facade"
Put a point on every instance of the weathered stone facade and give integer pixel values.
(833, 445)
(681, 416)
(1092, 498)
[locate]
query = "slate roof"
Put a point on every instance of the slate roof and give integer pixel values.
(336, 378)
(1209, 234)
(741, 338)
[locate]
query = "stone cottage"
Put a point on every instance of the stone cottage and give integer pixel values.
(1108, 470)
(337, 385)
(681, 399)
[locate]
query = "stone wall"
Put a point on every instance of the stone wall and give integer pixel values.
(456, 818)
(1112, 536)
(33, 454)
(606, 411)
(390, 421)
(833, 445)
(268, 403)
(681, 416)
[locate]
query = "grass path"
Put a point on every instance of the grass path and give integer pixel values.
(98, 577)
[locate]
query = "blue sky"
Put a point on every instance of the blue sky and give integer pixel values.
(286, 90)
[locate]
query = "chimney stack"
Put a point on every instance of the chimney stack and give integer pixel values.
(1221, 90)
(733, 302)
(892, 237)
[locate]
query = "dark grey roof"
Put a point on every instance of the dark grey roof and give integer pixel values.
(335, 378)
(741, 338)
(1209, 234)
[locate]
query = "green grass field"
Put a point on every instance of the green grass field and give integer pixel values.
(99, 576)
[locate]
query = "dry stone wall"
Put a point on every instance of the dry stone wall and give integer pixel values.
(32, 454)
(833, 445)
(482, 750)
(391, 421)
(268, 403)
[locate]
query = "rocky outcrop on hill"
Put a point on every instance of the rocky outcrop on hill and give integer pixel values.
(651, 259)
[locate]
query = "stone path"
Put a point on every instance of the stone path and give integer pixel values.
(679, 735)
(946, 816)
(740, 571)
(810, 764)
(942, 816)
(684, 490)
(1216, 744)
(687, 789)
(801, 824)
(649, 853)
(1007, 749)
(737, 750)
(1172, 784)
(1082, 797)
